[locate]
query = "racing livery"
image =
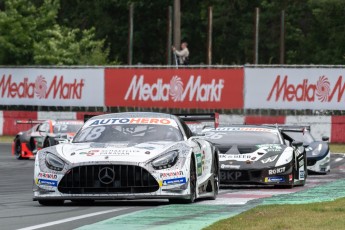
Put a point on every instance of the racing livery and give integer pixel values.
(128, 156)
(43, 134)
(318, 153)
(258, 155)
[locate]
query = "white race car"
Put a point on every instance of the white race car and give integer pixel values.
(128, 156)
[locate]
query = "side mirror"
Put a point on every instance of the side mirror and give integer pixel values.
(325, 138)
(297, 144)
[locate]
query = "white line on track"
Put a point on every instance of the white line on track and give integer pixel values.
(71, 219)
(339, 159)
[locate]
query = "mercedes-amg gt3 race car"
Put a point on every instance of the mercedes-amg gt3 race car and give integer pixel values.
(318, 153)
(252, 154)
(128, 156)
(43, 134)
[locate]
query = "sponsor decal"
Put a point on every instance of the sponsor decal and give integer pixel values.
(275, 179)
(200, 163)
(52, 87)
(235, 156)
(276, 171)
(301, 173)
(109, 152)
(295, 88)
(181, 180)
(171, 174)
(306, 90)
(47, 182)
(230, 176)
(230, 129)
(47, 175)
(269, 159)
(60, 87)
(69, 123)
(111, 121)
(118, 151)
(224, 166)
(174, 88)
(301, 162)
(270, 147)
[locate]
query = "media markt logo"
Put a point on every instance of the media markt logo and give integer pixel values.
(58, 87)
(175, 90)
(41, 87)
(305, 91)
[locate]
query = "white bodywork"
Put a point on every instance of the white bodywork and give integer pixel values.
(173, 181)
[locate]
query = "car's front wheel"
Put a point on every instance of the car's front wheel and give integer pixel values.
(192, 186)
(18, 149)
(47, 143)
(215, 178)
(51, 202)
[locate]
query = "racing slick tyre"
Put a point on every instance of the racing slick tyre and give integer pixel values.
(192, 185)
(47, 142)
(18, 149)
(83, 202)
(216, 178)
(51, 202)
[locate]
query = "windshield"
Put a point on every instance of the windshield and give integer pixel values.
(242, 138)
(67, 127)
(306, 137)
(134, 133)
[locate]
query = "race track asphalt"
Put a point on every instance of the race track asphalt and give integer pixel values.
(18, 211)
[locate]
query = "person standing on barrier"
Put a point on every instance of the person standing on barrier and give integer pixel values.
(183, 54)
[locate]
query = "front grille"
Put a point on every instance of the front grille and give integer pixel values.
(126, 179)
(311, 162)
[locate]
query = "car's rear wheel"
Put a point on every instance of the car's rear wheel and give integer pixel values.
(192, 185)
(18, 149)
(51, 202)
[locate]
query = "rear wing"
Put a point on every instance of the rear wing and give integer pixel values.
(29, 122)
(291, 127)
(199, 118)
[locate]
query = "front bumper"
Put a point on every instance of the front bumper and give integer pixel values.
(318, 165)
(281, 175)
(129, 182)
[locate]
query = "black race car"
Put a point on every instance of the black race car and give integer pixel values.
(252, 154)
(43, 134)
(318, 153)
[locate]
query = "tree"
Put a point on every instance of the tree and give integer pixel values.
(30, 35)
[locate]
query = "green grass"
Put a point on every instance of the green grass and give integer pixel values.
(324, 215)
(337, 148)
(6, 139)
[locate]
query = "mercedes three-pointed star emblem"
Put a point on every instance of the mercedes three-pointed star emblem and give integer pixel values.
(106, 175)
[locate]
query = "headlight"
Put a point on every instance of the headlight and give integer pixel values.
(53, 162)
(269, 159)
(285, 157)
(165, 161)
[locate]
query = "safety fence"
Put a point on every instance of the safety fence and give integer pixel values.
(290, 93)
(331, 126)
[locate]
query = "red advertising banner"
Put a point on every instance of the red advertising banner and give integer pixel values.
(175, 88)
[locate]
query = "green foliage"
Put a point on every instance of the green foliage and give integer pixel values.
(30, 35)
(91, 32)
